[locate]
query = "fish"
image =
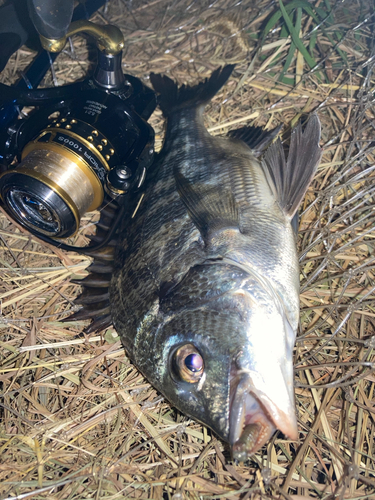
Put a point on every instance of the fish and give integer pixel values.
(204, 285)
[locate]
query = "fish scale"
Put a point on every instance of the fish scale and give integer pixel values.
(160, 209)
(216, 164)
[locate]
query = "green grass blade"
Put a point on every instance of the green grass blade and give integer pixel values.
(313, 40)
(323, 15)
(288, 60)
(292, 47)
(289, 8)
(295, 37)
(284, 33)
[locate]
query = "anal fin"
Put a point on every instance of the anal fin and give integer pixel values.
(95, 295)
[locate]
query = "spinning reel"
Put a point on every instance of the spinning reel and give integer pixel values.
(84, 144)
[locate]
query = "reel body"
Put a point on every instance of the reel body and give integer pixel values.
(98, 146)
(83, 145)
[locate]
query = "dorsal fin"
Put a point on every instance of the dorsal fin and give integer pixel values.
(256, 138)
(291, 178)
(173, 98)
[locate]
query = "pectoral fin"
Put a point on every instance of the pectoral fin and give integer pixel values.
(211, 208)
(290, 179)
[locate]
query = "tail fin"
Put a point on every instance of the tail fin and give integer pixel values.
(173, 98)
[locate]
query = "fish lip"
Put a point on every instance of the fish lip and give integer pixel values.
(254, 418)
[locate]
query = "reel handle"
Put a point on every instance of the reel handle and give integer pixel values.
(52, 19)
(109, 38)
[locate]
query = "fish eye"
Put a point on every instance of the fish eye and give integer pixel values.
(188, 363)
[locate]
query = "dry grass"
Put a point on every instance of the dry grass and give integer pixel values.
(78, 420)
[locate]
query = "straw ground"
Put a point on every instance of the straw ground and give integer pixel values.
(77, 419)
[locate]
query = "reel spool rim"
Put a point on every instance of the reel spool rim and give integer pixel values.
(57, 182)
(32, 187)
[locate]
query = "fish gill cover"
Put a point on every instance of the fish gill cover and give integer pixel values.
(77, 418)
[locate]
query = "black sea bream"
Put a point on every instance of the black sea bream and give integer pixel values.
(204, 294)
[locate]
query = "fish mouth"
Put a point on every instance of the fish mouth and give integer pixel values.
(254, 418)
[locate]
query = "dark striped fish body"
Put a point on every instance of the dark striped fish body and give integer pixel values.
(205, 289)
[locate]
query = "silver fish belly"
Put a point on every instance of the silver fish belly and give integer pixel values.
(205, 289)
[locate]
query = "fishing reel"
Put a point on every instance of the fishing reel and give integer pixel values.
(83, 144)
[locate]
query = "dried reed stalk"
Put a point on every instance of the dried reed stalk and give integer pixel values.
(77, 419)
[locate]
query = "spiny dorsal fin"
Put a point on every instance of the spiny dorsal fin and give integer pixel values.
(173, 98)
(210, 208)
(256, 138)
(292, 178)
